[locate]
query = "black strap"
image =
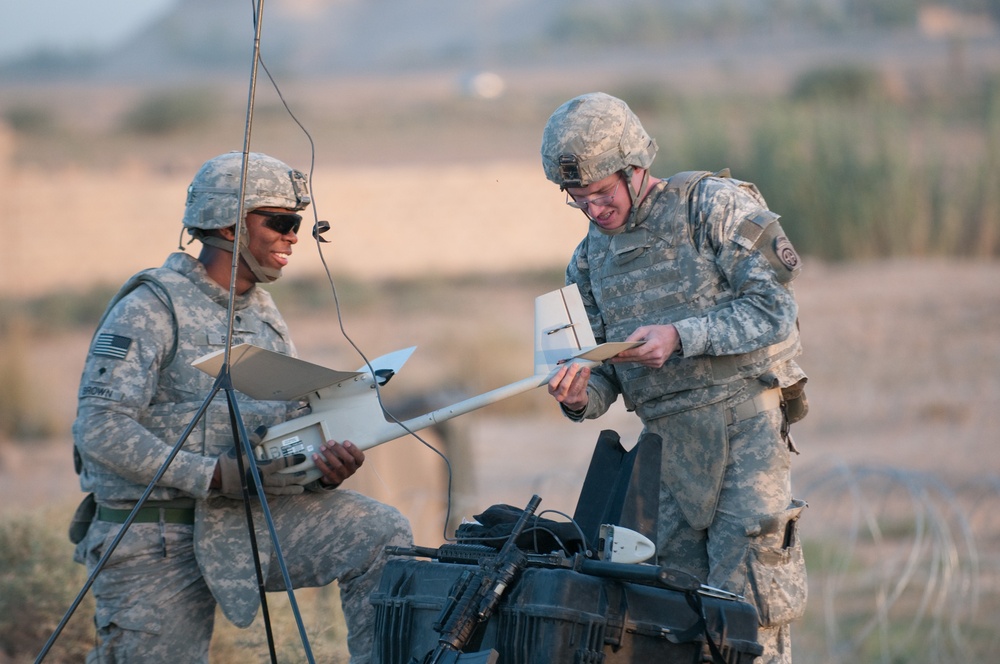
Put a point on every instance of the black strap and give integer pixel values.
(694, 601)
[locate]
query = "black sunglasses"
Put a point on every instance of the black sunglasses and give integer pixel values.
(281, 222)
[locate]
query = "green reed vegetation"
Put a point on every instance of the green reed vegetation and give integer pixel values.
(855, 173)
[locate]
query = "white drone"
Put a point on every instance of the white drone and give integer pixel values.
(345, 405)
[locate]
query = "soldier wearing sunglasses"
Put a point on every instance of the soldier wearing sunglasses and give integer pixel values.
(188, 549)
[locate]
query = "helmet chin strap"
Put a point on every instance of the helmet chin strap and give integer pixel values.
(634, 195)
(263, 274)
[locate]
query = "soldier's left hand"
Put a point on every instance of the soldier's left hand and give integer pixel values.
(660, 342)
(569, 386)
(337, 461)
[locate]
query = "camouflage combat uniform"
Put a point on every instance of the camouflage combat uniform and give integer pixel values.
(156, 597)
(705, 254)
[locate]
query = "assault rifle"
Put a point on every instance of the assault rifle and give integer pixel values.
(474, 598)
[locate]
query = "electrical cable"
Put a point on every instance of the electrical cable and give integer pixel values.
(318, 228)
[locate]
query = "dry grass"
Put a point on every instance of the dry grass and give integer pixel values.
(903, 375)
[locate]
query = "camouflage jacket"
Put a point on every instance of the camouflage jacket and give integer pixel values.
(139, 393)
(705, 254)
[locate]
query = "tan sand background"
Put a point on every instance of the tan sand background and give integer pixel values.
(902, 356)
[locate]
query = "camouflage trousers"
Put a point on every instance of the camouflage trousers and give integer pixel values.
(751, 547)
(153, 605)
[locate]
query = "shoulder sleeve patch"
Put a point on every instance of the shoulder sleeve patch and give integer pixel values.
(781, 254)
(762, 233)
(786, 253)
(749, 231)
(111, 345)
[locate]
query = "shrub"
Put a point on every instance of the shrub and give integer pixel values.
(840, 83)
(29, 119)
(38, 582)
(22, 415)
(167, 112)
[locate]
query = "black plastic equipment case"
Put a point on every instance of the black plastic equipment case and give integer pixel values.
(558, 616)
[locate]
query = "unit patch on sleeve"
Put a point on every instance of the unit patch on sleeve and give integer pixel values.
(111, 345)
(785, 252)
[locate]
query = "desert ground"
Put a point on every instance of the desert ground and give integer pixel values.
(443, 231)
(902, 356)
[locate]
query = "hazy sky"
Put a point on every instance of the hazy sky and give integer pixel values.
(29, 25)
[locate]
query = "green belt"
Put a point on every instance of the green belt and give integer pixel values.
(179, 515)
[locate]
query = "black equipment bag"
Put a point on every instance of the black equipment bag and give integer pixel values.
(560, 616)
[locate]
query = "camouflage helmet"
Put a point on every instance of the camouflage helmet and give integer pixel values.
(213, 195)
(591, 137)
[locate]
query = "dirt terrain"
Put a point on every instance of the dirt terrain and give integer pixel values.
(431, 250)
(902, 356)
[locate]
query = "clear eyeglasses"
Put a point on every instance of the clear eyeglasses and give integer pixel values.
(600, 201)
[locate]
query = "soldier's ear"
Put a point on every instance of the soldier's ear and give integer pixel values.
(227, 233)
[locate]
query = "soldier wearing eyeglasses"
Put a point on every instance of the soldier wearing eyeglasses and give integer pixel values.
(698, 268)
(189, 548)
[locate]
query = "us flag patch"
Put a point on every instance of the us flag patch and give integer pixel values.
(111, 345)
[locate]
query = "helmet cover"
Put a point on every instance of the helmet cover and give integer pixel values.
(591, 137)
(213, 195)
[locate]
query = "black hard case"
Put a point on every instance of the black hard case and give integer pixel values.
(559, 616)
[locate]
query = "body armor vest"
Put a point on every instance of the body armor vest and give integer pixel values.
(200, 327)
(655, 275)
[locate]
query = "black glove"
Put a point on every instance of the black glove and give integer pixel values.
(273, 482)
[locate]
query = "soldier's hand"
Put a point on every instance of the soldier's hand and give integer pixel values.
(569, 386)
(338, 461)
(227, 475)
(660, 342)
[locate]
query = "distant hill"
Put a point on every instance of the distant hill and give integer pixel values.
(333, 37)
(310, 38)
